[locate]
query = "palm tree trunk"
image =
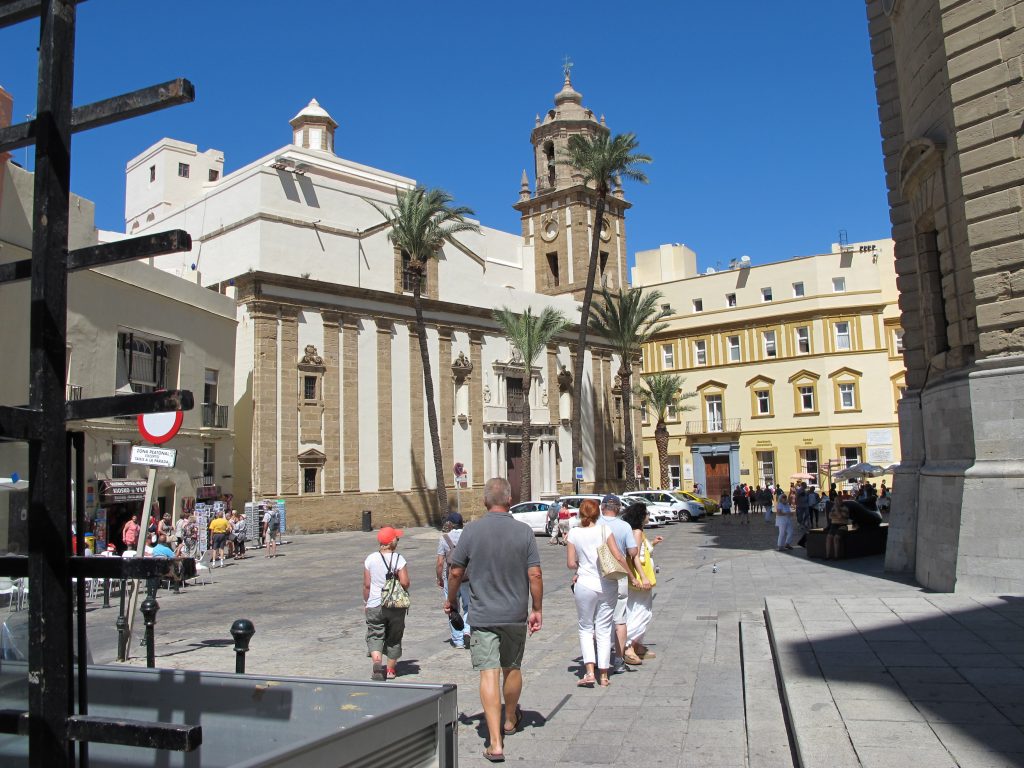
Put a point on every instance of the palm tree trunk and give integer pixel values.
(428, 390)
(525, 482)
(661, 440)
(625, 379)
(581, 339)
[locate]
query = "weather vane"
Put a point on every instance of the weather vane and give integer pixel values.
(566, 66)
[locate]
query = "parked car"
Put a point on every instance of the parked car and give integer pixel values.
(569, 512)
(682, 509)
(710, 505)
(533, 513)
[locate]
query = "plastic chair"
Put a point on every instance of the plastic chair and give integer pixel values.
(10, 588)
(203, 567)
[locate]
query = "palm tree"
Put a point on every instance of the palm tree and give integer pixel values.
(629, 318)
(602, 161)
(421, 222)
(664, 390)
(530, 334)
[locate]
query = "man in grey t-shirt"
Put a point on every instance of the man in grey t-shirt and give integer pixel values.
(506, 580)
(610, 508)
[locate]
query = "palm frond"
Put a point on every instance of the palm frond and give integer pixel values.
(421, 221)
(601, 158)
(530, 333)
(662, 390)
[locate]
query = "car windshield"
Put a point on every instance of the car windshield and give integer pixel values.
(682, 496)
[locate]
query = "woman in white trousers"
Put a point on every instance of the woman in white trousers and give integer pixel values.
(784, 520)
(595, 595)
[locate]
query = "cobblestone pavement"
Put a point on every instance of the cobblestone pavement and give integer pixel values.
(684, 708)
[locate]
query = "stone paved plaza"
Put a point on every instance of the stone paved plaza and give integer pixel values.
(710, 697)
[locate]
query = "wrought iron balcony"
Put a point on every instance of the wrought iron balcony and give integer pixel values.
(74, 392)
(215, 415)
(713, 426)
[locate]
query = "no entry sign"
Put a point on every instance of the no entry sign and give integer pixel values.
(158, 428)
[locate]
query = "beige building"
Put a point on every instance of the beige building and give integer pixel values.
(329, 392)
(131, 328)
(950, 103)
(794, 363)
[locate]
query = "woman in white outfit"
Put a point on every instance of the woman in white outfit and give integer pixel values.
(784, 520)
(595, 595)
(642, 579)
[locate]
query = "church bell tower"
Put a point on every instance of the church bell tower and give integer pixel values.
(558, 216)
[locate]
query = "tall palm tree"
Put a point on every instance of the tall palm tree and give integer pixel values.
(602, 161)
(421, 222)
(530, 334)
(629, 318)
(664, 390)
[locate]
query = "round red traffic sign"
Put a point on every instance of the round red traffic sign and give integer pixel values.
(158, 428)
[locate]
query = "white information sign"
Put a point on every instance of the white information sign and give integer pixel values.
(153, 457)
(879, 437)
(880, 454)
(688, 471)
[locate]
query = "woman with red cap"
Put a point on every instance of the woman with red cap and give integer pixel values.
(384, 626)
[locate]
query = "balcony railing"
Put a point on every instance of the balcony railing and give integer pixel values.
(215, 416)
(712, 426)
(74, 392)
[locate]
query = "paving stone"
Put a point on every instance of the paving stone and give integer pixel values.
(889, 756)
(891, 710)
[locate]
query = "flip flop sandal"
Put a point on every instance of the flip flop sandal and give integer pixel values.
(499, 758)
(587, 681)
(515, 728)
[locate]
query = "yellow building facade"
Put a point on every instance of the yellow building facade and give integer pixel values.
(794, 364)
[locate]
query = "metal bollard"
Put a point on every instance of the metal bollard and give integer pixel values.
(106, 593)
(242, 630)
(367, 521)
(149, 608)
(122, 626)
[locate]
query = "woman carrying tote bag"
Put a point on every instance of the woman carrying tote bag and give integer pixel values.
(595, 595)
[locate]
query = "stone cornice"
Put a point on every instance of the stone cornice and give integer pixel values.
(613, 205)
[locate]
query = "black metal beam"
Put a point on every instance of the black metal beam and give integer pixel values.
(144, 246)
(177, 737)
(18, 423)
(107, 111)
(14, 721)
(13, 566)
(130, 568)
(17, 11)
(129, 405)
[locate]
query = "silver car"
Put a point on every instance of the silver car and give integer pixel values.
(683, 509)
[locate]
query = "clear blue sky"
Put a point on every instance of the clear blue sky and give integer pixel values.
(760, 116)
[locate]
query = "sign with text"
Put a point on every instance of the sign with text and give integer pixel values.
(579, 473)
(879, 437)
(153, 457)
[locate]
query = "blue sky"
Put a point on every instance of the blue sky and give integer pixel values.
(760, 117)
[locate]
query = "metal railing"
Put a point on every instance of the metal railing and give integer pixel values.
(74, 392)
(712, 426)
(215, 415)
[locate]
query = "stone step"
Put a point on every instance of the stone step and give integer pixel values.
(768, 744)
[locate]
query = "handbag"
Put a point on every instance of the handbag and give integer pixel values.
(610, 567)
(392, 594)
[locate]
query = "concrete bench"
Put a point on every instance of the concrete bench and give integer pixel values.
(858, 541)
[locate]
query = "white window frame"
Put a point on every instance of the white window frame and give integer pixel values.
(770, 341)
(803, 341)
(698, 305)
(764, 402)
(730, 299)
(897, 335)
(798, 289)
(118, 469)
(668, 356)
(847, 403)
(766, 295)
(843, 335)
(735, 352)
(838, 285)
(806, 392)
(700, 352)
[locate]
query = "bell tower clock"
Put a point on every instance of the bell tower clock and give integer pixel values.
(558, 216)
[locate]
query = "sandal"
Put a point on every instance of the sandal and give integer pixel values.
(587, 681)
(605, 682)
(516, 723)
(378, 672)
(494, 757)
(392, 674)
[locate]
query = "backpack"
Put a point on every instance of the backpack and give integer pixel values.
(392, 594)
(275, 520)
(450, 552)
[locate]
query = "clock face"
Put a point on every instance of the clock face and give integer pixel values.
(889, 7)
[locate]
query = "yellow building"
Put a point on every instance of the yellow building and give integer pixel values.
(794, 364)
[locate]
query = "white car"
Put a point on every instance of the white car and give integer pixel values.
(533, 513)
(682, 508)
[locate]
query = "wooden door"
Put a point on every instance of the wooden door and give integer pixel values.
(514, 469)
(716, 470)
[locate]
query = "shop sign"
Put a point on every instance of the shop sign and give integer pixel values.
(116, 491)
(208, 492)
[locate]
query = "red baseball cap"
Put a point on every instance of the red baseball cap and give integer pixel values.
(388, 534)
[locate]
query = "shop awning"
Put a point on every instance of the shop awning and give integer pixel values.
(116, 491)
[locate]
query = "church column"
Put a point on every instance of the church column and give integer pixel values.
(350, 402)
(446, 418)
(492, 464)
(552, 385)
(545, 449)
(289, 400)
(502, 458)
(332, 404)
(476, 409)
(264, 396)
(417, 454)
(385, 444)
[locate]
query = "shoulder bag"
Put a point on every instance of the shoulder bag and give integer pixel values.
(610, 567)
(392, 594)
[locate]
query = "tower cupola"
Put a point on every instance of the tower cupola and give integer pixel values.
(313, 128)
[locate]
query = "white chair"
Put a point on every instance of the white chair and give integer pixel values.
(22, 585)
(203, 567)
(10, 588)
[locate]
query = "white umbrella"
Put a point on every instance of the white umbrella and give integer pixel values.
(863, 469)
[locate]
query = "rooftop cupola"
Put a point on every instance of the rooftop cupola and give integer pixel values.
(313, 128)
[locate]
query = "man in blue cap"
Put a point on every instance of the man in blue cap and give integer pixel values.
(450, 533)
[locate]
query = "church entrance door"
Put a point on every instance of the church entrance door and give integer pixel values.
(514, 469)
(716, 470)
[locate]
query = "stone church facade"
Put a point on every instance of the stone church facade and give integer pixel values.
(329, 403)
(950, 99)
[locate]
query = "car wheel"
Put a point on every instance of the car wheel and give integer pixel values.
(685, 517)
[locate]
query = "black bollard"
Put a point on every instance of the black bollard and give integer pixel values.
(122, 626)
(149, 608)
(242, 630)
(106, 593)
